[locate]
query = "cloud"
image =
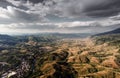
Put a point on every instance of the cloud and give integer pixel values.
(102, 8)
(23, 11)
(70, 8)
(14, 2)
(27, 28)
(74, 24)
(91, 8)
(115, 18)
(20, 15)
(64, 27)
(36, 1)
(30, 26)
(32, 15)
(4, 3)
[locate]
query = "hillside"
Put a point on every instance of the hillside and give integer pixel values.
(116, 31)
(5, 39)
(51, 57)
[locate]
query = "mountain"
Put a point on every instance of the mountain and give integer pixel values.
(116, 31)
(5, 37)
(111, 37)
(7, 40)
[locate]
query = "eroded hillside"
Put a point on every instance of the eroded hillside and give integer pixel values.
(90, 60)
(67, 58)
(83, 59)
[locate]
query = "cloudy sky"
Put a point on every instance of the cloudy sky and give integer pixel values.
(63, 16)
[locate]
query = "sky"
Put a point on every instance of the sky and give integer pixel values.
(58, 16)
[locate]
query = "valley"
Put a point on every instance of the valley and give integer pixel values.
(41, 57)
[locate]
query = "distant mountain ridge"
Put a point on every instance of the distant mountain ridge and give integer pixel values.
(5, 37)
(7, 40)
(116, 31)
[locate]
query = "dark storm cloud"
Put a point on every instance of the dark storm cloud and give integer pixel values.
(33, 1)
(91, 8)
(103, 9)
(43, 11)
(71, 8)
(4, 3)
(36, 1)
(103, 13)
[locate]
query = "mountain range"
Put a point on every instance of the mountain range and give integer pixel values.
(116, 31)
